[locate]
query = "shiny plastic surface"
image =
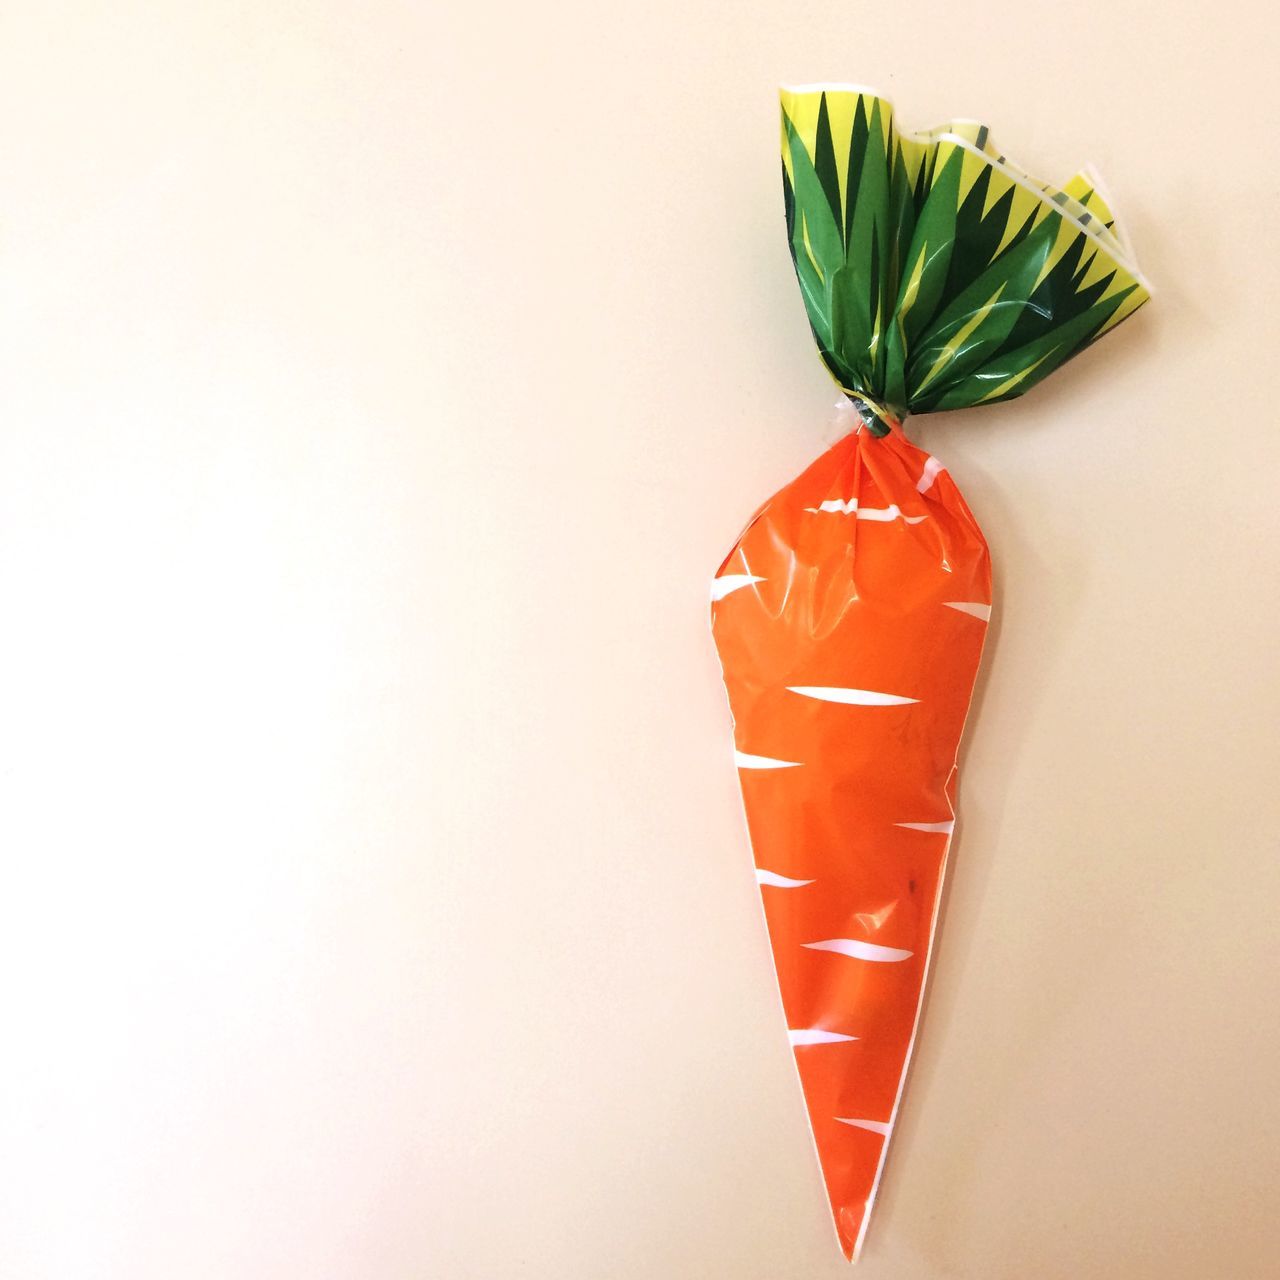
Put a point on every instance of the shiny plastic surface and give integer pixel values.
(851, 614)
(937, 274)
(850, 622)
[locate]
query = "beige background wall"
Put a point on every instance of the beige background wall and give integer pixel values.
(382, 383)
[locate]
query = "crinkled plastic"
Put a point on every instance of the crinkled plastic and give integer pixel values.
(850, 615)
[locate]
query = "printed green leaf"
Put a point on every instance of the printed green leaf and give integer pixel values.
(936, 274)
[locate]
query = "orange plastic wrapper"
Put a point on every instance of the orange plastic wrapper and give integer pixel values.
(851, 613)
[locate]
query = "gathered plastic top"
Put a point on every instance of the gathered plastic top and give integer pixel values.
(936, 273)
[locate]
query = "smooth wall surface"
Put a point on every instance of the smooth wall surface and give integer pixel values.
(381, 385)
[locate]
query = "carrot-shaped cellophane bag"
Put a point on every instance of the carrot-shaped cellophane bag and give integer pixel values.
(851, 614)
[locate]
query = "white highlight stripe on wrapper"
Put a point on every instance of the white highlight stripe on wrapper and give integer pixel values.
(972, 608)
(930, 473)
(812, 1035)
(727, 583)
(942, 828)
(874, 1126)
(850, 697)
(851, 508)
(859, 950)
(774, 881)
(744, 761)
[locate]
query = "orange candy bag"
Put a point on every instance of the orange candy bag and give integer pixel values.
(850, 615)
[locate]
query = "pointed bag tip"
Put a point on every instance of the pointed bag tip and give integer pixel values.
(849, 1232)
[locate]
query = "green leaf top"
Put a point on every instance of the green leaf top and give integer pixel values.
(936, 273)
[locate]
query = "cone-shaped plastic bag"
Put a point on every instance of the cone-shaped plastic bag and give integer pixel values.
(851, 614)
